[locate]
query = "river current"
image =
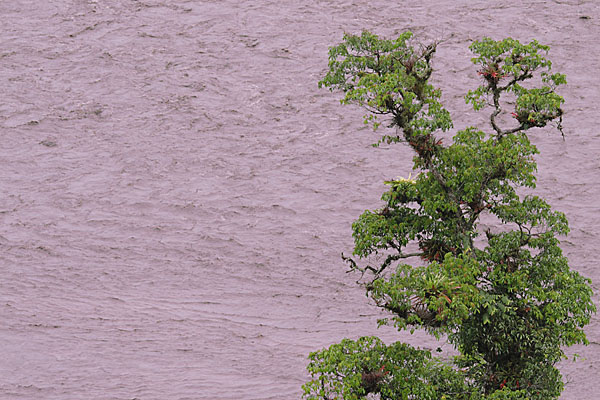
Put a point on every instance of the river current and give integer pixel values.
(176, 190)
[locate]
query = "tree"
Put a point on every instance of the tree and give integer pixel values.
(504, 297)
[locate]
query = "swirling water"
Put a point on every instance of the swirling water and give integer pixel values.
(176, 190)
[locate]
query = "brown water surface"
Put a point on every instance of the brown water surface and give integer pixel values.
(176, 191)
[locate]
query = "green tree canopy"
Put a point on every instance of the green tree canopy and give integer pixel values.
(505, 297)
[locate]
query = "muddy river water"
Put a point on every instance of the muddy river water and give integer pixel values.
(175, 190)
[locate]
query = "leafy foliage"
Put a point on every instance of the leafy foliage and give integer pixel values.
(506, 299)
(388, 77)
(350, 370)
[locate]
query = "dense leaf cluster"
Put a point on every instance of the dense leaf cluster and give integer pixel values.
(351, 370)
(504, 297)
